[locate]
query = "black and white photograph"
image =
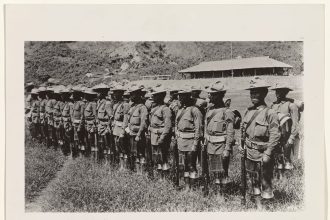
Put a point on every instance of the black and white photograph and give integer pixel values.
(164, 126)
(165, 111)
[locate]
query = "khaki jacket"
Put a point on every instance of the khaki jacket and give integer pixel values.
(119, 110)
(219, 129)
(188, 129)
(160, 123)
(136, 119)
(290, 108)
(263, 134)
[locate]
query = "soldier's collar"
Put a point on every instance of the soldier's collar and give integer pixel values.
(262, 106)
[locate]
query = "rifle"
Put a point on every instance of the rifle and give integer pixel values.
(243, 168)
(205, 168)
(96, 142)
(177, 162)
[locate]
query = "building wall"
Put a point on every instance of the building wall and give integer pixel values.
(237, 73)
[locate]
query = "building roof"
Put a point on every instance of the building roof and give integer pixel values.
(234, 64)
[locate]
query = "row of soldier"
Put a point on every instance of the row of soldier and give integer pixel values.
(158, 129)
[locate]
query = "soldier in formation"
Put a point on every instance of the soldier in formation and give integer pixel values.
(261, 134)
(219, 134)
(135, 125)
(170, 130)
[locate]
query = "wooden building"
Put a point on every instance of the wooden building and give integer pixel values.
(237, 67)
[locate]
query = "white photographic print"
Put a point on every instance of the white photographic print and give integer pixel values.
(164, 111)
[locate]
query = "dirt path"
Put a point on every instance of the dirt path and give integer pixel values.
(36, 204)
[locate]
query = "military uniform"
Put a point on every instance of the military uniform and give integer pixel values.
(160, 134)
(42, 117)
(189, 130)
(67, 124)
(90, 122)
(135, 125)
(219, 136)
(58, 125)
(50, 119)
(35, 115)
(120, 108)
(28, 103)
(288, 113)
(78, 124)
(260, 129)
(104, 115)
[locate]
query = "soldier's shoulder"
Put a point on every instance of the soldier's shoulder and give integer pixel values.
(271, 112)
(195, 110)
(144, 107)
(229, 112)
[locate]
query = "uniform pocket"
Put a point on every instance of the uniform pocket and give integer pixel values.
(101, 113)
(135, 119)
(217, 126)
(261, 129)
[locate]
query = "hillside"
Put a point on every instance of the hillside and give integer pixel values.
(71, 62)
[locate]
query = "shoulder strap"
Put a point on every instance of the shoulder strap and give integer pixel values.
(136, 107)
(256, 113)
(117, 107)
(161, 107)
(180, 116)
(214, 113)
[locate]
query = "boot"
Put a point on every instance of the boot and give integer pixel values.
(121, 162)
(186, 184)
(126, 162)
(142, 166)
(258, 203)
(192, 177)
(288, 166)
(137, 168)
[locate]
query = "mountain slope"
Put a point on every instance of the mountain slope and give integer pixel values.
(70, 61)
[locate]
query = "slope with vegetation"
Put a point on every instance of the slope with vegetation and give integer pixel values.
(71, 61)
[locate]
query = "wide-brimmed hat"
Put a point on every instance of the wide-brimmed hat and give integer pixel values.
(136, 88)
(281, 86)
(65, 91)
(77, 88)
(216, 87)
(101, 87)
(50, 89)
(257, 83)
(90, 91)
(172, 91)
(42, 89)
(196, 88)
(185, 90)
(34, 91)
(29, 84)
(118, 88)
(53, 81)
(158, 90)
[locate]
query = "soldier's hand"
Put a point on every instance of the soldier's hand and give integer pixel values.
(161, 140)
(121, 135)
(290, 142)
(225, 153)
(240, 149)
(194, 147)
(266, 158)
(137, 138)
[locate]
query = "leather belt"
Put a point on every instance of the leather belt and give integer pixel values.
(185, 135)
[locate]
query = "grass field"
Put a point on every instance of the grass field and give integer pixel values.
(82, 186)
(41, 166)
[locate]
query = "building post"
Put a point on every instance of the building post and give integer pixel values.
(255, 72)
